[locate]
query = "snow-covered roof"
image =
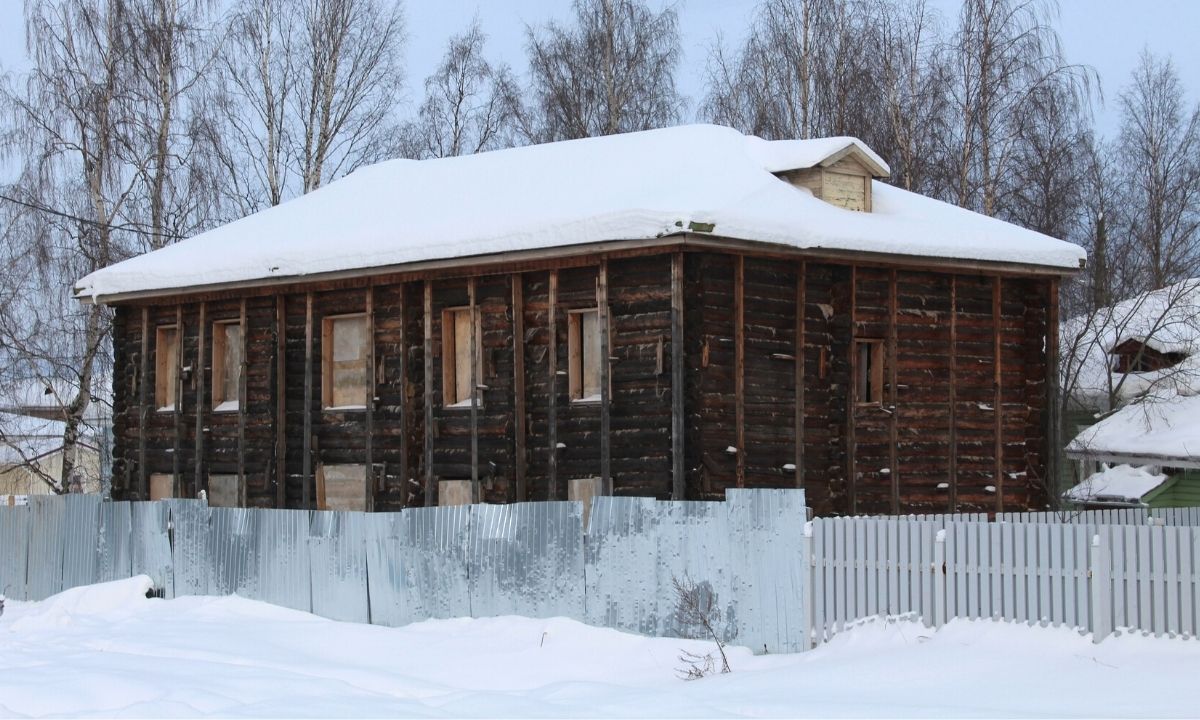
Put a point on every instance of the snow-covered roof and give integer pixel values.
(632, 187)
(1156, 429)
(1118, 484)
(1166, 320)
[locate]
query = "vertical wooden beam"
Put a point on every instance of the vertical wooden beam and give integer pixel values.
(953, 464)
(243, 399)
(144, 408)
(306, 463)
(518, 311)
(739, 365)
(893, 412)
(552, 410)
(280, 401)
(998, 397)
(177, 411)
(428, 390)
(1053, 405)
(473, 344)
(606, 481)
(405, 478)
(678, 477)
(852, 401)
(201, 481)
(369, 400)
(801, 317)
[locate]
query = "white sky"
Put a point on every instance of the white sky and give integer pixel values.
(1106, 34)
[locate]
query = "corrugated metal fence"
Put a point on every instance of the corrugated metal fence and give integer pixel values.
(532, 559)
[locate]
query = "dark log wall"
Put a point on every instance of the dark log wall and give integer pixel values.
(962, 425)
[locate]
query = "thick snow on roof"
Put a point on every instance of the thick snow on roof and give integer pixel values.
(623, 187)
(1120, 483)
(1160, 428)
(1166, 320)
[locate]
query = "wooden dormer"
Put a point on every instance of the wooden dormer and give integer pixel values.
(842, 179)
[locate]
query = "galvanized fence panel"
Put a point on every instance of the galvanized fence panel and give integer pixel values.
(47, 525)
(282, 575)
(338, 562)
(14, 551)
(189, 546)
(385, 574)
(432, 554)
(232, 556)
(81, 530)
(151, 545)
(620, 564)
(526, 559)
(115, 555)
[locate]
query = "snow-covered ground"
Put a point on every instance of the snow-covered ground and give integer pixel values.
(105, 650)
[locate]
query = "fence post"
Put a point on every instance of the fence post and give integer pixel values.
(1101, 595)
(807, 570)
(939, 579)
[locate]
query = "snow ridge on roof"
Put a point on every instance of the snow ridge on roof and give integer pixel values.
(1157, 428)
(638, 186)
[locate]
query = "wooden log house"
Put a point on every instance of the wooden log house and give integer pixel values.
(666, 314)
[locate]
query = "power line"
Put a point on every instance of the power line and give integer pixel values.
(125, 227)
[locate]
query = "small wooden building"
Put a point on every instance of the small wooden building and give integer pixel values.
(667, 314)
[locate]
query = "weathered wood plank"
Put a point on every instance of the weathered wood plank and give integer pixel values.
(280, 401)
(177, 411)
(998, 399)
(243, 399)
(369, 398)
(952, 408)
(519, 417)
(473, 344)
(428, 366)
(893, 420)
(201, 332)
(739, 372)
(552, 383)
(144, 408)
(605, 380)
(800, 354)
(678, 478)
(306, 462)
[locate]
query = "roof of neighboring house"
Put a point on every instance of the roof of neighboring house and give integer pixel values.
(1159, 431)
(24, 438)
(1165, 320)
(640, 187)
(1117, 485)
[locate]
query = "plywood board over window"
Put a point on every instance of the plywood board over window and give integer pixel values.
(162, 486)
(166, 365)
(226, 491)
(870, 370)
(583, 355)
(226, 365)
(456, 356)
(344, 362)
(342, 487)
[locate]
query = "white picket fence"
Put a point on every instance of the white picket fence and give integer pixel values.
(1095, 577)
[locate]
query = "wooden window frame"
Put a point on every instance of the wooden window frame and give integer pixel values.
(870, 376)
(450, 393)
(220, 403)
(166, 375)
(327, 345)
(576, 359)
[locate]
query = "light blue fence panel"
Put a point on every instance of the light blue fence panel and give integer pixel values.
(769, 569)
(694, 547)
(152, 545)
(385, 575)
(433, 559)
(48, 526)
(189, 546)
(115, 554)
(338, 562)
(81, 556)
(14, 551)
(281, 542)
(232, 552)
(526, 559)
(620, 564)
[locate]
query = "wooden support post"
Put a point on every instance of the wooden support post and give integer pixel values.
(280, 401)
(404, 404)
(243, 398)
(1053, 421)
(852, 401)
(739, 363)
(552, 410)
(306, 463)
(606, 482)
(893, 412)
(428, 390)
(953, 463)
(998, 396)
(473, 344)
(801, 317)
(202, 330)
(518, 311)
(144, 408)
(177, 411)
(678, 477)
(369, 399)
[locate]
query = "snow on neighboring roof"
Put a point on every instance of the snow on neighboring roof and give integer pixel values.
(24, 438)
(637, 186)
(1166, 320)
(1116, 484)
(1160, 428)
(783, 155)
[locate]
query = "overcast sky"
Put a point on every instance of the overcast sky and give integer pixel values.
(1106, 34)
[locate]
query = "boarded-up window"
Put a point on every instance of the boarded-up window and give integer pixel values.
(226, 365)
(225, 491)
(162, 486)
(342, 487)
(455, 492)
(456, 356)
(344, 362)
(166, 367)
(870, 371)
(583, 355)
